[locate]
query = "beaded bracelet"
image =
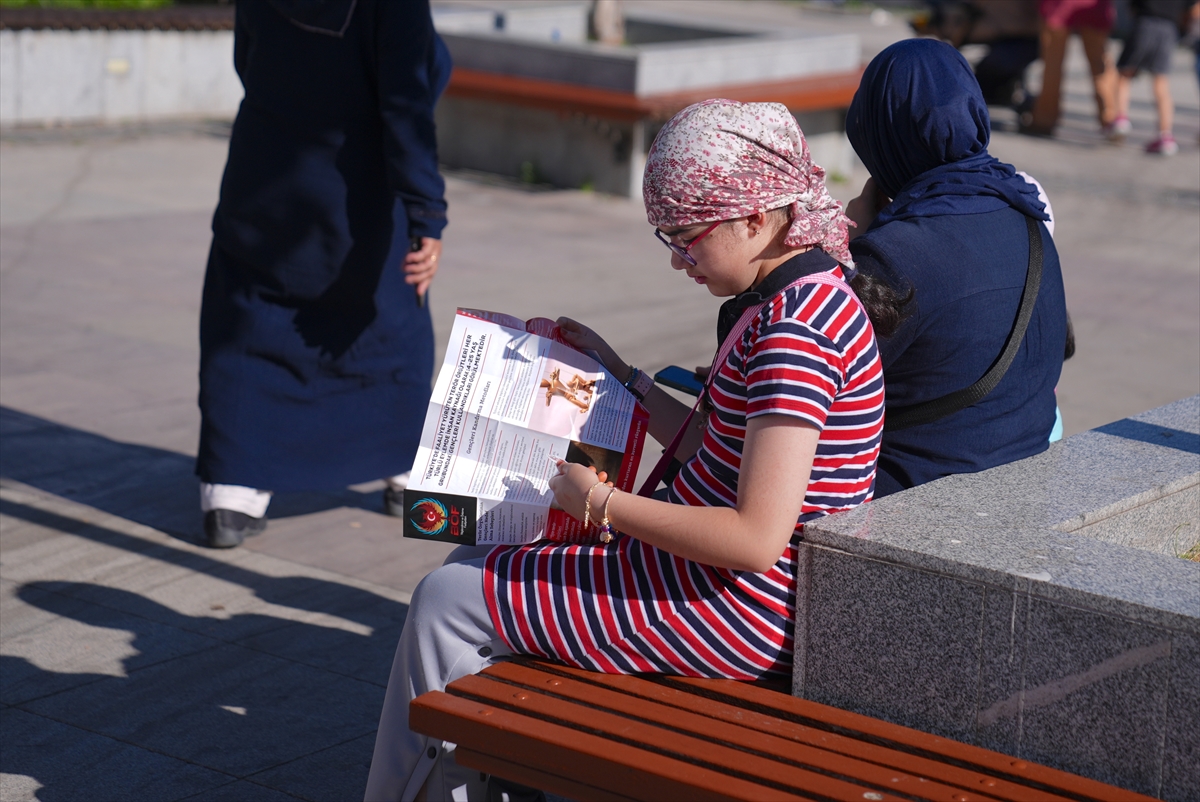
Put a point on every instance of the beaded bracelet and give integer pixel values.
(606, 529)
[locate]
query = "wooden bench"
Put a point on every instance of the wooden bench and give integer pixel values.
(613, 737)
(828, 91)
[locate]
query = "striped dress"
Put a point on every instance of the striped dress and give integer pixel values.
(627, 607)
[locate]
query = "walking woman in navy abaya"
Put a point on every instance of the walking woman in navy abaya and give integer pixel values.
(316, 345)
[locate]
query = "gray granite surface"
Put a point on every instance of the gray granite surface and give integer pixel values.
(1005, 526)
(1002, 608)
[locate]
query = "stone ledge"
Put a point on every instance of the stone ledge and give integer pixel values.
(1009, 608)
(1030, 523)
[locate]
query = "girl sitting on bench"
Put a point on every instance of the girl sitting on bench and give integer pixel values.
(702, 584)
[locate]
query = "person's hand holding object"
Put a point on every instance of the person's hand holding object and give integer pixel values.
(580, 336)
(421, 265)
(571, 485)
(863, 209)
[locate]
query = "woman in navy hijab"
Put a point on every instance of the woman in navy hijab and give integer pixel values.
(944, 220)
(316, 349)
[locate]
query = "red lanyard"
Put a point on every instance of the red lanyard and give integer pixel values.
(723, 353)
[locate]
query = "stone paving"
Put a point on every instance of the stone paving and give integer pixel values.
(136, 664)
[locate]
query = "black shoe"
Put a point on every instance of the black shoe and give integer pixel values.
(393, 502)
(224, 529)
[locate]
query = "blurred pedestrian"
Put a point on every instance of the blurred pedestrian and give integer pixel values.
(1092, 20)
(316, 348)
(1156, 29)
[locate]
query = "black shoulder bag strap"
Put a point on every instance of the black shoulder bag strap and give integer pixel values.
(938, 408)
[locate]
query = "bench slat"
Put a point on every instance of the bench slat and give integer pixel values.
(697, 716)
(686, 699)
(654, 739)
(596, 736)
(742, 694)
(588, 759)
(535, 778)
(827, 91)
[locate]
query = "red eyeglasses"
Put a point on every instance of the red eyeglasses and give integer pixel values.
(679, 249)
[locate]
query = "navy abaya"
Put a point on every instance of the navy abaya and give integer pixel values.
(315, 357)
(955, 235)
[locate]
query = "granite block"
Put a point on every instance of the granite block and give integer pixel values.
(1160, 590)
(1072, 484)
(50, 761)
(1181, 750)
(337, 773)
(1094, 696)
(1165, 436)
(1001, 666)
(1169, 524)
(1183, 415)
(231, 709)
(892, 642)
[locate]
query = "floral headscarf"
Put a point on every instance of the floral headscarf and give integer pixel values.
(720, 160)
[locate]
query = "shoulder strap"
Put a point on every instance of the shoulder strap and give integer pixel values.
(938, 408)
(735, 334)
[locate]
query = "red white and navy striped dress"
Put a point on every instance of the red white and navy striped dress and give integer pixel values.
(628, 607)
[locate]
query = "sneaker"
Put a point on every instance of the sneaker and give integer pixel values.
(1163, 146)
(224, 529)
(1118, 129)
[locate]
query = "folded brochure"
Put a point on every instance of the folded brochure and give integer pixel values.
(511, 399)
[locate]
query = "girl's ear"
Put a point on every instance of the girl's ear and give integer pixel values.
(756, 223)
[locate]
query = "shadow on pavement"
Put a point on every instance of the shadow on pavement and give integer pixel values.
(245, 704)
(147, 485)
(193, 711)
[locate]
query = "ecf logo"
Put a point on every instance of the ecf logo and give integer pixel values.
(431, 517)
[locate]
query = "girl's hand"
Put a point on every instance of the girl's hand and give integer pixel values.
(571, 485)
(583, 338)
(863, 209)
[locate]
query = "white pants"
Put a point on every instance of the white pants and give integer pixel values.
(246, 500)
(448, 634)
(254, 502)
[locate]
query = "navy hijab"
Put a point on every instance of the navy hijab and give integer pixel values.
(919, 123)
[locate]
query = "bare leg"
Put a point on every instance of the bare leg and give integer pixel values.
(1104, 74)
(1046, 109)
(1124, 81)
(1166, 108)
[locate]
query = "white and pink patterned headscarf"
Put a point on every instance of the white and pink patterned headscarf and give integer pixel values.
(721, 160)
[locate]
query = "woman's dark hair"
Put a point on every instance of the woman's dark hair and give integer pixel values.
(884, 305)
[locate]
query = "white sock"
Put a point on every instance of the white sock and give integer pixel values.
(246, 500)
(399, 481)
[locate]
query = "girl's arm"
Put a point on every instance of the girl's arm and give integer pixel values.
(776, 463)
(666, 413)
